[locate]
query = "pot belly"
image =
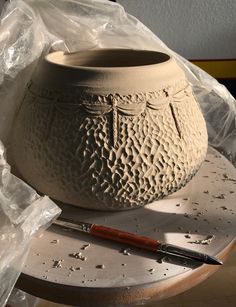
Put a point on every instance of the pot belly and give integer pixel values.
(109, 161)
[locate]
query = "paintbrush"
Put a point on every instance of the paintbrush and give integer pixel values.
(141, 242)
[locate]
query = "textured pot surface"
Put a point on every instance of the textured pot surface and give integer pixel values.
(109, 129)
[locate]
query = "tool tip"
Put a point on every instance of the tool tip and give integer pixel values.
(213, 260)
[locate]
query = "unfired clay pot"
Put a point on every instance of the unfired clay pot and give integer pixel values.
(109, 129)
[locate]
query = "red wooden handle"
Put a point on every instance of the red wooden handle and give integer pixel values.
(124, 237)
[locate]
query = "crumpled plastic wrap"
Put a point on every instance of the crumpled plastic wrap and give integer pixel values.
(30, 29)
(23, 214)
(19, 298)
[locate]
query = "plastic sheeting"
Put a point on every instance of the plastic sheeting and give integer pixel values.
(23, 214)
(30, 29)
(20, 298)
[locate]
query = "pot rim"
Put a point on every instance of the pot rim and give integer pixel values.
(149, 59)
(106, 80)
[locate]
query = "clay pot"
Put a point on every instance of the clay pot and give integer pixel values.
(109, 129)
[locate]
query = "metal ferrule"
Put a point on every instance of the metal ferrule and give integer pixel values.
(79, 226)
(176, 250)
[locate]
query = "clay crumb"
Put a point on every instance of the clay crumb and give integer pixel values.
(151, 270)
(231, 179)
(231, 192)
(224, 208)
(199, 213)
(205, 241)
(100, 266)
(220, 196)
(126, 252)
(207, 160)
(38, 254)
(206, 192)
(85, 246)
(57, 263)
(78, 256)
(55, 241)
(185, 198)
(123, 264)
(78, 268)
(187, 236)
(72, 269)
(177, 205)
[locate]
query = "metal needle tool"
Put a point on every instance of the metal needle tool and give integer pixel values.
(135, 240)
